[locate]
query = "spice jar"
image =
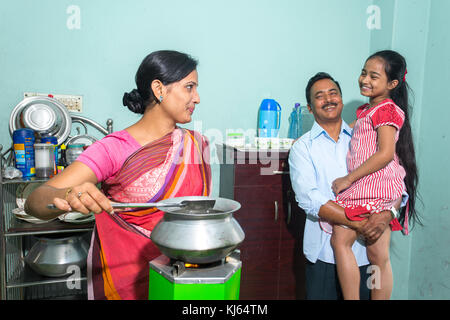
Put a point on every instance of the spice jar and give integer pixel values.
(73, 151)
(44, 160)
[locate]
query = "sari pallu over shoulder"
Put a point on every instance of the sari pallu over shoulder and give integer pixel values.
(175, 165)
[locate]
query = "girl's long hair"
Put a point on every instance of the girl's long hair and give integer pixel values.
(395, 68)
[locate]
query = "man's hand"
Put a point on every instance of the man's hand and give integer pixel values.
(375, 226)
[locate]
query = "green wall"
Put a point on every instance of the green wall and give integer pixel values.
(248, 50)
(430, 257)
(419, 30)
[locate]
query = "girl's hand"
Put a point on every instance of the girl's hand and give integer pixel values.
(340, 184)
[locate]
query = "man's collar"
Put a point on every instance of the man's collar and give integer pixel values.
(317, 130)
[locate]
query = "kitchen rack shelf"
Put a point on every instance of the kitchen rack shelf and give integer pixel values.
(28, 278)
(17, 279)
(22, 228)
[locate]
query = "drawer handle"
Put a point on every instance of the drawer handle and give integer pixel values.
(276, 210)
(289, 212)
(280, 172)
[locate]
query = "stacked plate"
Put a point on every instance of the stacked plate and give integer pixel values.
(22, 192)
(25, 189)
(76, 217)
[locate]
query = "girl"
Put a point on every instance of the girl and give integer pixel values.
(381, 164)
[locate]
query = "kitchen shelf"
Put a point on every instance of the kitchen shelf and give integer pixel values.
(21, 228)
(18, 280)
(24, 180)
(27, 278)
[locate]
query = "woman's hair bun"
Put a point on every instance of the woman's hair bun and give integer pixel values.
(134, 101)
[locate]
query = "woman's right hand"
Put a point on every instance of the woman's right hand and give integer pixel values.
(74, 189)
(84, 198)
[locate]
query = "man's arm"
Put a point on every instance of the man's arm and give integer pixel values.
(308, 195)
(334, 213)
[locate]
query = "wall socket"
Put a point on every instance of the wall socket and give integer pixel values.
(73, 103)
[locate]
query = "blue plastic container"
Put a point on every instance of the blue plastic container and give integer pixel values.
(23, 142)
(269, 119)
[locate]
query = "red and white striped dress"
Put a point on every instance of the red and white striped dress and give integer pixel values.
(377, 191)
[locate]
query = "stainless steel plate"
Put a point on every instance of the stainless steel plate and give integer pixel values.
(42, 114)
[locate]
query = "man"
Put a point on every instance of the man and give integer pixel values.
(315, 161)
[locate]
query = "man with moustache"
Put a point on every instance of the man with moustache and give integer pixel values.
(315, 160)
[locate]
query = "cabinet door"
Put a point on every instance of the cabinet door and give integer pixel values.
(259, 219)
(291, 259)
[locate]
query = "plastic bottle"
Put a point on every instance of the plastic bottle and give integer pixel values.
(23, 143)
(62, 161)
(295, 122)
(269, 116)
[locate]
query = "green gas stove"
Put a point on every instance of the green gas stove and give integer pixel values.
(177, 280)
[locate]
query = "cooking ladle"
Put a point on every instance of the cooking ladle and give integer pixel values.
(186, 204)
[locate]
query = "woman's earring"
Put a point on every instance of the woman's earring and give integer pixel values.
(160, 99)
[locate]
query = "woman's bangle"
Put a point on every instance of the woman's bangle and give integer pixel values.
(67, 193)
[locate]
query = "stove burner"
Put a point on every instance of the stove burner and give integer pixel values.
(179, 267)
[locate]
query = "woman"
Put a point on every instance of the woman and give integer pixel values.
(149, 161)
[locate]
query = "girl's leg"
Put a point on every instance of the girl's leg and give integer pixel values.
(342, 241)
(378, 254)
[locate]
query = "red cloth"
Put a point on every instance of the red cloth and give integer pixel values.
(359, 213)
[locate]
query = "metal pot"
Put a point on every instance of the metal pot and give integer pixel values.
(52, 255)
(201, 236)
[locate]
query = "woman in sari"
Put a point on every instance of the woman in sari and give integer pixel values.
(149, 161)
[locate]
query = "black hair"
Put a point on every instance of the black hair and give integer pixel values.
(314, 79)
(395, 68)
(166, 66)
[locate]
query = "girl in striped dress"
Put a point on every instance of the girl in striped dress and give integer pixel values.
(381, 165)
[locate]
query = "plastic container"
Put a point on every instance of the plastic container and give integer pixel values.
(73, 151)
(54, 141)
(295, 122)
(23, 143)
(45, 160)
(269, 119)
(236, 139)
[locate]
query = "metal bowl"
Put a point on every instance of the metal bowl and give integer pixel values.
(52, 256)
(198, 237)
(43, 115)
